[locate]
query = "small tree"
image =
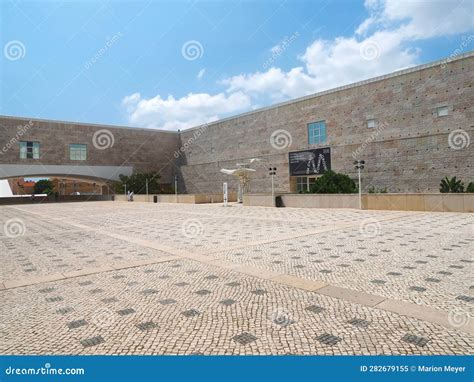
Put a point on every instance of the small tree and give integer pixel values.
(470, 187)
(452, 185)
(137, 183)
(44, 186)
(334, 183)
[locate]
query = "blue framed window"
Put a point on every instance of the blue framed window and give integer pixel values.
(317, 132)
(29, 150)
(77, 152)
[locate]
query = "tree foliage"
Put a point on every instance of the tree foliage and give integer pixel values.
(137, 183)
(333, 183)
(452, 185)
(44, 186)
(470, 187)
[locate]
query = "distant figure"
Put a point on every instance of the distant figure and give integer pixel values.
(131, 196)
(128, 196)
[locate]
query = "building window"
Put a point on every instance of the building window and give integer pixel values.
(317, 132)
(77, 152)
(442, 111)
(304, 183)
(29, 150)
(371, 123)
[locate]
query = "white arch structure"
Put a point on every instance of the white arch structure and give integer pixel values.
(104, 173)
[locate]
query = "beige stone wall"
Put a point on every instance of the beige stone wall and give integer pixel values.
(398, 202)
(407, 152)
(144, 149)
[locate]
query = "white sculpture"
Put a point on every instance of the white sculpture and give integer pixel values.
(243, 172)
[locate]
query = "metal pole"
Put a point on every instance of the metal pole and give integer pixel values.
(273, 191)
(360, 190)
(146, 185)
(125, 189)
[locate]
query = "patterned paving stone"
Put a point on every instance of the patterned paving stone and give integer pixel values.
(465, 298)
(93, 341)
(314, 309)
(359, 322)
(416, 340)
(244, 338)
(167, 301)
(117, 234)
(125, 312)
(203, 292)
(144, 326)
(328, 339)
(64, 310)
(228, 302)
(76, 324)
(190, 313)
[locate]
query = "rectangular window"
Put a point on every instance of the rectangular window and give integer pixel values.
(29, 150)
(317, 132)
(77, 152)
(301, 184)
(371, 123)
(442, 111)
(304, 183)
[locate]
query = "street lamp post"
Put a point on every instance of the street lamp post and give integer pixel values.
(359, 165)
(272, 172)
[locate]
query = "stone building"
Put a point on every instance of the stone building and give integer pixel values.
(400, 124)
(412, 127)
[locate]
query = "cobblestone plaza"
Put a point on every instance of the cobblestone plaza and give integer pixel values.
(141, 278)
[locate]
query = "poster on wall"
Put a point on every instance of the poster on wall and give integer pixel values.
(310, 162)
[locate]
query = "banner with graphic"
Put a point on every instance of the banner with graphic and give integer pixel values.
(310, 162)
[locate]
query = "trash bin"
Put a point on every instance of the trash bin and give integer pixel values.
(278, 201)
(155, 198)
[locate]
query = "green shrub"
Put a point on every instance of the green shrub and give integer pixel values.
(374, 190)
(44, 186)
(137, 183)
(470, 187)
(452, 185)
(333, 183)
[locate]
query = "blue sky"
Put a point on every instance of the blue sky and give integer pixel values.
(179, 64)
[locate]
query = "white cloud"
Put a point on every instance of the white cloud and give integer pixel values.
(381, 44)
(188, 111)
(430, 18)
(201, 73)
